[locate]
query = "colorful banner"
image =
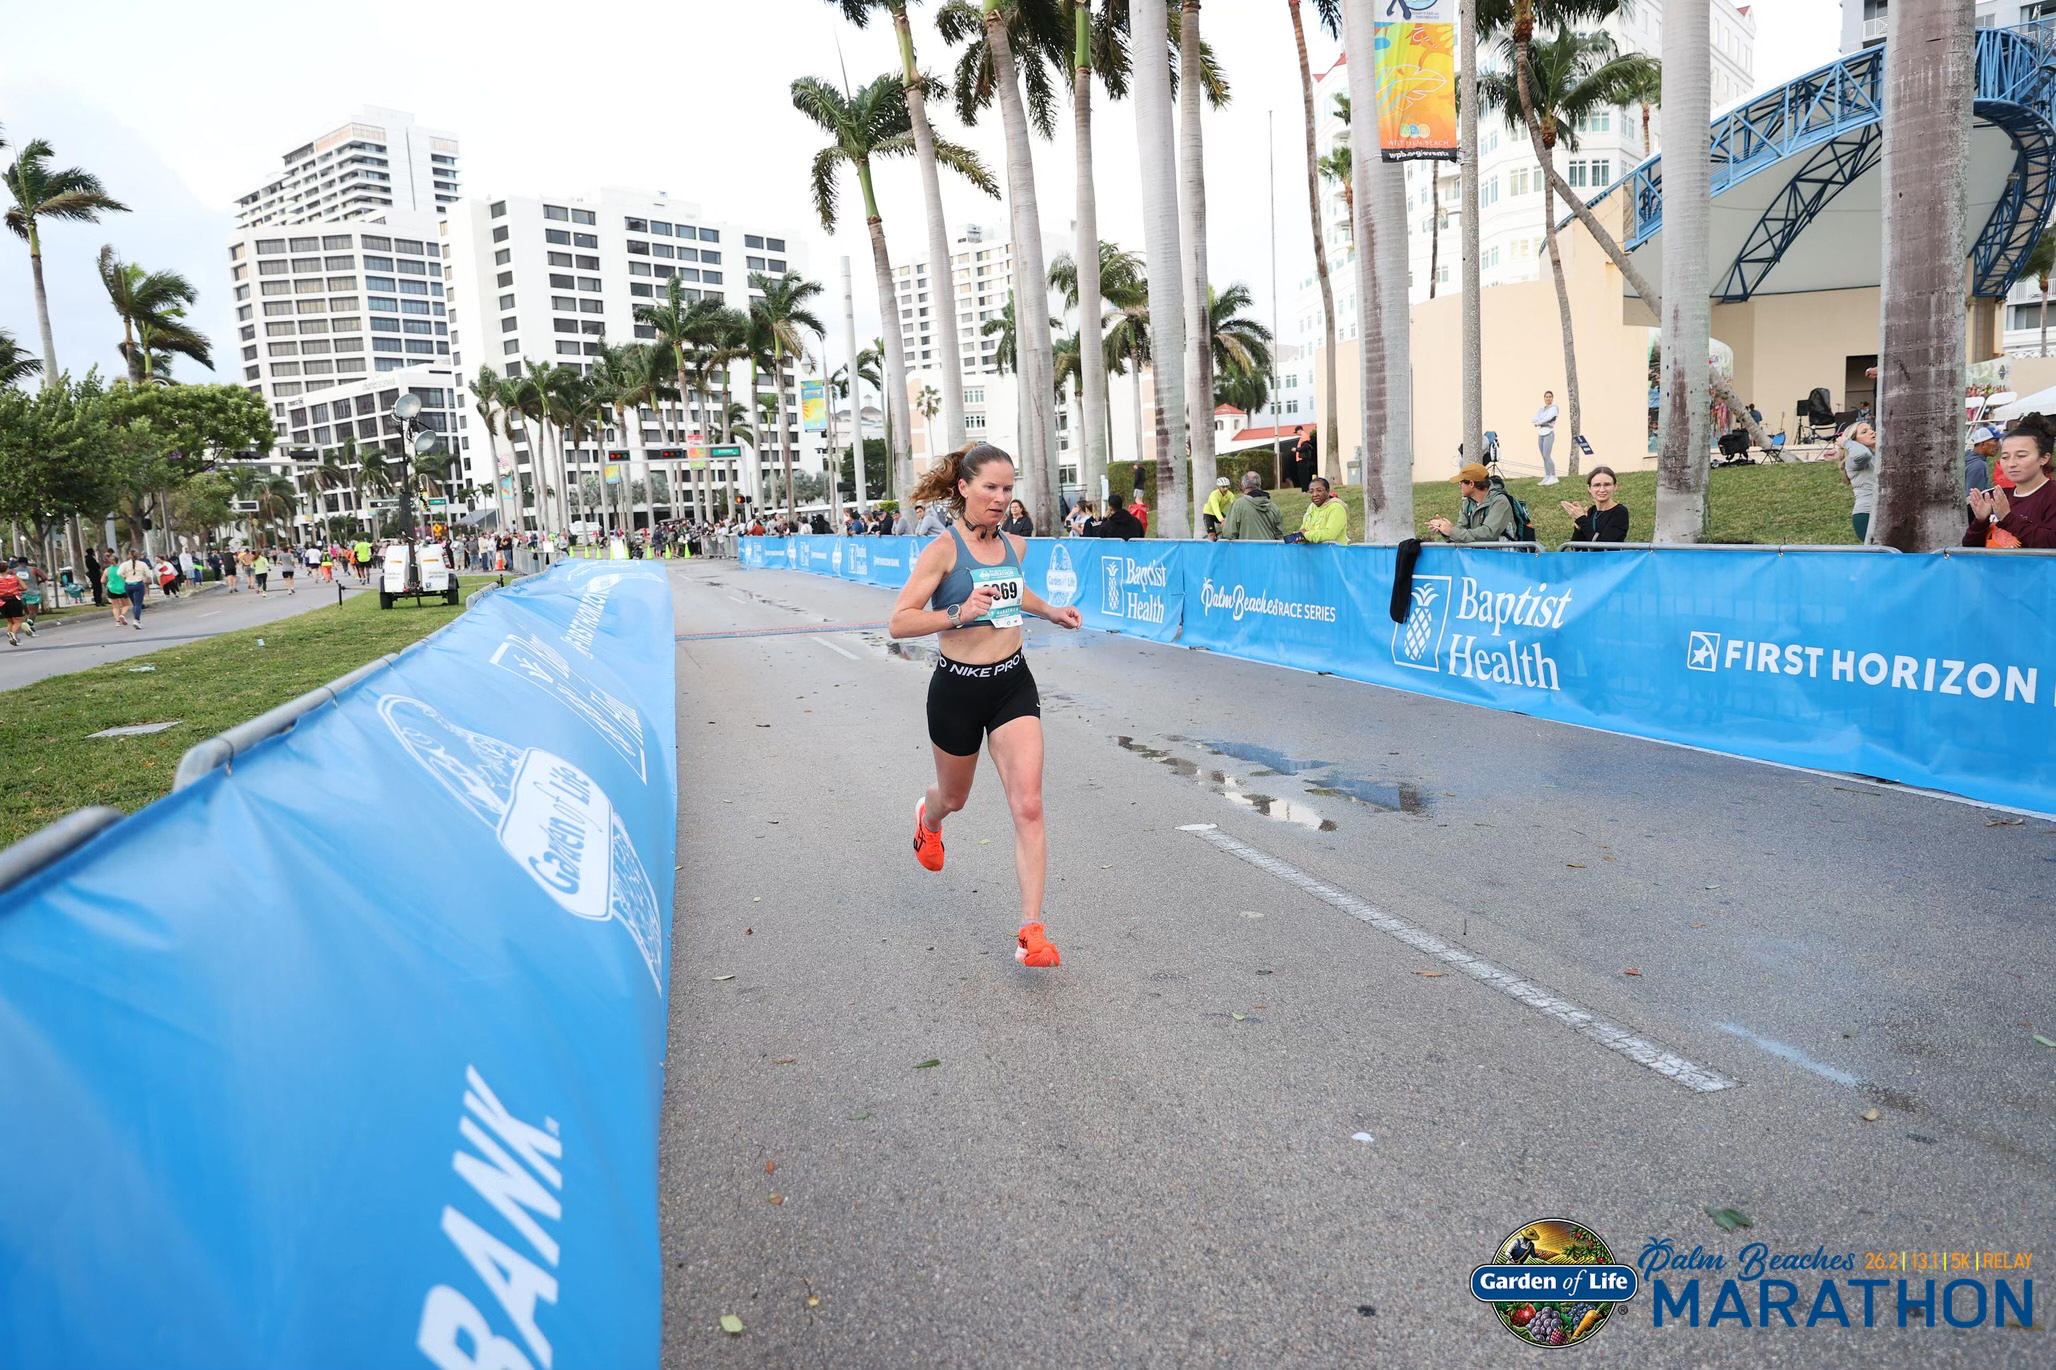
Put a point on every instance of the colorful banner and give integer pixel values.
(287, 1086)
(813, 407)
(1901, 667)
(1417, 84)
(611, 473)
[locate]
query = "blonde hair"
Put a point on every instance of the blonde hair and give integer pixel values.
(939, 482)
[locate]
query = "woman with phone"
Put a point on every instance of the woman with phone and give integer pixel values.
(1606, 520)
(969, 590)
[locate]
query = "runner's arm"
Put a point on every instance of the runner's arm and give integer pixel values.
(911, 616)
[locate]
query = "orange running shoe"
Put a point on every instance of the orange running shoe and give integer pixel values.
(1033, 949)
(927, 845)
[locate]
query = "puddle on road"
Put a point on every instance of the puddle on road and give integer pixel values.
(1310, 778)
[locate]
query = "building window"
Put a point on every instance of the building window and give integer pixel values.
(500, 234)
(559, 258)
(641, 288)
(557, 213)
(659, 227)
(585, 263)
(558, 236)
(271, 247)
(708, 255)
(710, 235)
(374, 244)
(638, 249)
(636, 225)
(1488, 192)
(638, 268)
(590, 240)
(710, 277)
(509, 348)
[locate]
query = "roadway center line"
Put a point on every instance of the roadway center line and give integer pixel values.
(839, 651)
(1609, 1034)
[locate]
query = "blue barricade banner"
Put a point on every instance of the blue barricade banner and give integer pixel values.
(354, 1056)
(1927, 670)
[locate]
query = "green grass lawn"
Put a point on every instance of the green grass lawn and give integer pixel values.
(53, 766)
(1805, 502)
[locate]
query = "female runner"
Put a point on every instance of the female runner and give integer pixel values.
(968, 589)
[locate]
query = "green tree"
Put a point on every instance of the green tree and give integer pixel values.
(40, 194)
(52, 446)
(1238, 343)
(784, 313)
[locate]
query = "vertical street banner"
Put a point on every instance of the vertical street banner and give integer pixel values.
(1416, 45)
(813, 406)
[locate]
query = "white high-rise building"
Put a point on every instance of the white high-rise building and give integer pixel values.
(551, 279)
(380, 161)
(334, 321)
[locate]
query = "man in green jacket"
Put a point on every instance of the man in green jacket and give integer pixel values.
(1253, 518)
(1326, 520)
(1486, 513)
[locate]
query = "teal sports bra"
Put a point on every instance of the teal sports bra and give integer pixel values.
(969, 573)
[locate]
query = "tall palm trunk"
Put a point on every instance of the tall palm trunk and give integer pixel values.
(1031, 275)
(1434, 226)
(1326, 434)
(2045, 315)
(942, 276)
(1563, 309)
(899, 427)
(1929, 55)
(50, 373)
(1467, 256)
(784, 438)
(1687, 313)
(1199, 350)
(1153, 133)
(1377, 434)
(1092, 359)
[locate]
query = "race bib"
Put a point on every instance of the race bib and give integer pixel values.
(1006, 594)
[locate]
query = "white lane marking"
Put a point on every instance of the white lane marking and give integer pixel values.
(738, 599)
(1784, 1051)
(211, 613)
(835, 649)
(1609, 1034)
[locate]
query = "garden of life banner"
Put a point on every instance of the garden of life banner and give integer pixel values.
(1417, 81)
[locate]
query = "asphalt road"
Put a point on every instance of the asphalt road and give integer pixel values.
(78, 641)
(1243, 1124)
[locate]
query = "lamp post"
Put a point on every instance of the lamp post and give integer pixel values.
(417, 439)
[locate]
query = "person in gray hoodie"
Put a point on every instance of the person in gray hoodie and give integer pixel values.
(1253, 518)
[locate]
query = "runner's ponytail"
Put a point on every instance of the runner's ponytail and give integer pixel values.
(940, 480)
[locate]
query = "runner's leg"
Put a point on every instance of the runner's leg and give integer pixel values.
(952, 787)
(1017, 752)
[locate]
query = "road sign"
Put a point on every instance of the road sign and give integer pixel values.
(438, 503)
(719, 450)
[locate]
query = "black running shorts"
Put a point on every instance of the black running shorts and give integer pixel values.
(965, 703)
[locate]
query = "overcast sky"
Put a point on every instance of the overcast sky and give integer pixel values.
(182, 108)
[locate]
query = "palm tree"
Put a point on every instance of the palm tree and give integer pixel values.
(786, 316)
(1339, 166)
(1121, 284)
(1165, 255)
(1381, 302)
(873, 123)
(16, 365)
(1006, 352)
(485, 401)
(1236, 342)
(1688, 313)
(928, 404)
(38, 194)
(683, 327)
(1519, 16)
(1930, 56)
(1330, 15)
(1037, 456)
(1128, 346)
(508, 394)
(151, 305)
(2040, 264)
(1086, 41)
(1199, 362)
(941, 277)
(1572, 75)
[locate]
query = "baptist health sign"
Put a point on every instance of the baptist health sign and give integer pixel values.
(1901, 667)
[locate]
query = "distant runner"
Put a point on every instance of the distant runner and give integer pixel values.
(967, 588)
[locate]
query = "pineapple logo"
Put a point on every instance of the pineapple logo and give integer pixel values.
(1417, 643)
